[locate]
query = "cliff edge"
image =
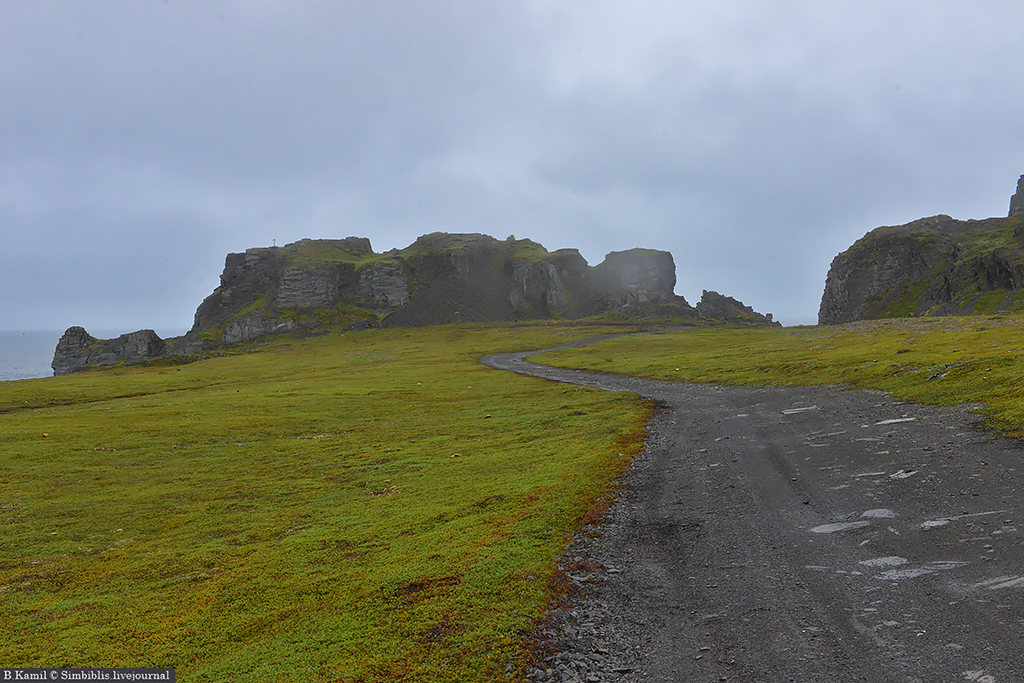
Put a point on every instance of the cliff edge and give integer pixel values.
(931, 266)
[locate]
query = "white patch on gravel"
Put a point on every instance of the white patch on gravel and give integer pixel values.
(943, 521)
(902, 474)
(794, 411)
(930, 568)
(895, 421)
(880, 513)
(981, 514)
(1001, 582)
(890, 561)
(868, 474)
(838, 526)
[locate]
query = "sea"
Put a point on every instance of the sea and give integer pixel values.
(24, 355)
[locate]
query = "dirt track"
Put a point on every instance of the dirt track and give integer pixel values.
(809, 534)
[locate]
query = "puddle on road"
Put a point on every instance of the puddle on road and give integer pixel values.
(930, 568)
(980, 676)
(1009, 581)
(895, 421)
(839, 526)
(794, 411)
(943, 521)
(890, 561)
(933, 523)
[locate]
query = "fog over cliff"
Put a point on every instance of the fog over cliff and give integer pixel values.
(144, 140)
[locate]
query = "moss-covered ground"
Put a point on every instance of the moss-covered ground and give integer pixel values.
(374, 506)
(945, 361)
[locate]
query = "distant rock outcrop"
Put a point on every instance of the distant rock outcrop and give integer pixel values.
(715, 306)
(441, 278)
(77, 349)
(932, 266)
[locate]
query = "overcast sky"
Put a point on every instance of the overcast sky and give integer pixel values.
(143, 140)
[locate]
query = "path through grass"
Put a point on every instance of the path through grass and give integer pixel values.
(945, 361)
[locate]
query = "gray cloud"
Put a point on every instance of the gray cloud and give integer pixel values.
(144, 139)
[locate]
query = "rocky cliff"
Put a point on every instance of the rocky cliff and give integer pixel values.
(441, 278)
(77, 349)
(932, 266)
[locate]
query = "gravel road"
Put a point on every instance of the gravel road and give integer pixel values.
(807, 534)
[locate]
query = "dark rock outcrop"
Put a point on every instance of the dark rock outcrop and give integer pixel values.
(77, 349)
(636, 282)
(1017, 200)
(441, 278)
(932, 266)
(715, 306)
(383, 286)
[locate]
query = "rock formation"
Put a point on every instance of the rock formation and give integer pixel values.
(715, 306)
(77, 349)
(441, 278)
(932, 266)
(1017, 200)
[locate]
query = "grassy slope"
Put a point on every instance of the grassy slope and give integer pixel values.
(373, 506)
(946, 360)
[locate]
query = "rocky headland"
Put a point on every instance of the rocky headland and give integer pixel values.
(932, 266)
(316, 285)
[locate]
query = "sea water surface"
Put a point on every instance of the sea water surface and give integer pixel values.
(24, 355)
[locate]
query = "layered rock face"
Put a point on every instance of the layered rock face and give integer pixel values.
(932, 266)
(77, 349)
(441, 278)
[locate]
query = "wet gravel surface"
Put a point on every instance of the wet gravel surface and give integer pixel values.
(797, 534)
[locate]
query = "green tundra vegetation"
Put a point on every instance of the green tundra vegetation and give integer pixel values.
(943, 360)
(369, 506)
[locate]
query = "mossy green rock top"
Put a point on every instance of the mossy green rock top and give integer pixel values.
(932, 266)
(440, 278)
